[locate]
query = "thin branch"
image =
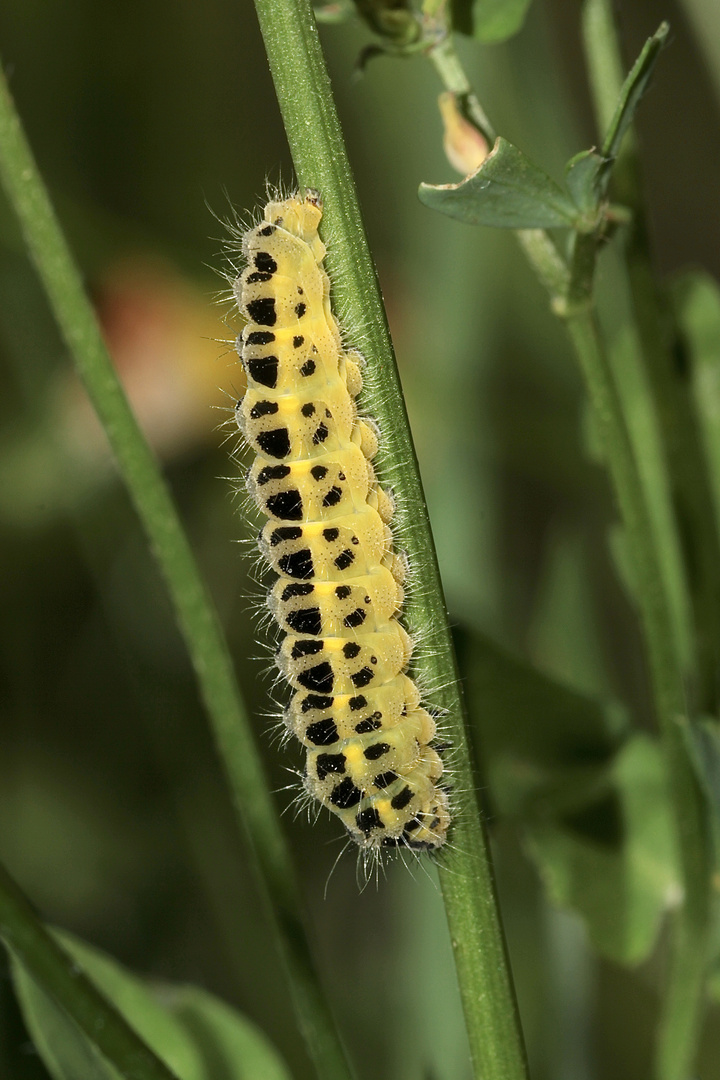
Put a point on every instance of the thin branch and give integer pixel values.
(321, 162)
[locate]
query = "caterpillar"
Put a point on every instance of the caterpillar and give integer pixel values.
(339, 587)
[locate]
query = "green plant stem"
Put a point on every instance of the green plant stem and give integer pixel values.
(571, 293)
(452, 74)
(31, 944)
(547, 262)
(671, 387)
(683, 1006)
(692, 497)
(194, 610)
(321, 162)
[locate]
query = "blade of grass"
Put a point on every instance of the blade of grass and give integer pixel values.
(194, 610)
(321, 162)
(59, 975)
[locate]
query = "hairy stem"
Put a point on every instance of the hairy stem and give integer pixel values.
(321, 162)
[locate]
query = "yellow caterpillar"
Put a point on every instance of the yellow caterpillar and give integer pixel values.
(339, 587)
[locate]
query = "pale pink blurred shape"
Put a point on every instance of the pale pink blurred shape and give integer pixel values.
(465, 148)
(171, 349)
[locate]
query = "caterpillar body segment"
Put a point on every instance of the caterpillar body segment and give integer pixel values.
(331, 609)
(339, 588)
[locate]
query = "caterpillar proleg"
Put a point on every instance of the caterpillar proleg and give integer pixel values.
(339, 590)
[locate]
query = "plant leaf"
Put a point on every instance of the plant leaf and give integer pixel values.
(585, 178)
(541, 743)
(591, 798)
(633, 89)
(197, 1036)
(489, 20)
(65, 1050)
(508, 191)
(232, 1047)
(615, 861)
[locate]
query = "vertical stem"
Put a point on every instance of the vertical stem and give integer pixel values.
(669, 378)
(683, 1006)
(690, 483)
(320, 158)
(572, 299)
(452, 74)
(194, 611)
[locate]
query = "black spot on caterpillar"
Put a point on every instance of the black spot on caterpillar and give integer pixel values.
(370, 757)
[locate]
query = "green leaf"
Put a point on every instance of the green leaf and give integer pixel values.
(542, 744)
(592, 800)
(196, 1035)
(615, 860)
(232, 1047)
(696, 298)
(489, 20)
(585, 176)
(508, 191)
(67, 1053)
(632, 90)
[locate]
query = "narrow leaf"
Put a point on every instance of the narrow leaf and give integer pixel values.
(585, 178)
(231, 1046)
(197, 1035)
(508, 191)
(194, 611)
(633, 89)
(65, 1050)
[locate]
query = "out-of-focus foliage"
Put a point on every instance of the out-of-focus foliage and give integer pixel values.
(112, 809)
(697, 302)
(197, 1036)
(489, 20)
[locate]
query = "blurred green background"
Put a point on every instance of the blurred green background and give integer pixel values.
(147, 120)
